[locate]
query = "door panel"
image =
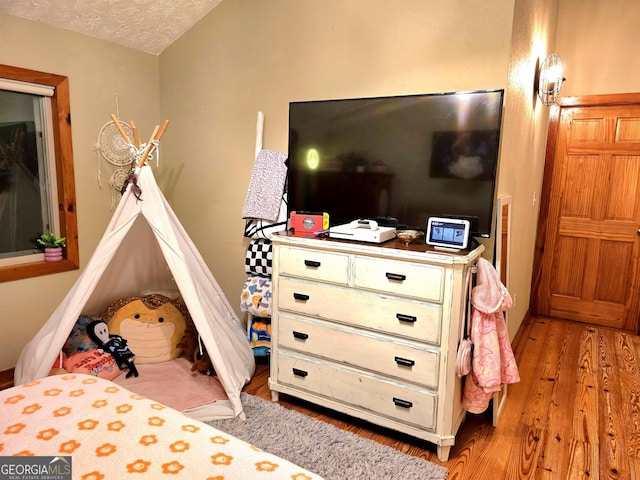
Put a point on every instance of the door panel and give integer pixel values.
(590, 246)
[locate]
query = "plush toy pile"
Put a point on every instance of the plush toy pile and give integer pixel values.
(144, 330)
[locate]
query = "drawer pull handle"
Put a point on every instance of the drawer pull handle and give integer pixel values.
(300, 335)
(301, 296)
(396, 276)
(405, 362)
(402, 403)
(300, 373)
(406, 318)
(312, 263)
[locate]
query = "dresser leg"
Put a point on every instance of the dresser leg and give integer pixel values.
(443, 453)
(275, 396)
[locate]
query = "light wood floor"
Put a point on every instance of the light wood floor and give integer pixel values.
(575, 413)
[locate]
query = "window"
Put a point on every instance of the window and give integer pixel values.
(37, 189)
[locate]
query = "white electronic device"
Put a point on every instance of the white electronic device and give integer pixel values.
(363, 231)
(448, 233)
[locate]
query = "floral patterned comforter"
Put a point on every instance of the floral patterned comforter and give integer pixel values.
(112, 433)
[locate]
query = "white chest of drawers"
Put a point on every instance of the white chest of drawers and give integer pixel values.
(371, 331)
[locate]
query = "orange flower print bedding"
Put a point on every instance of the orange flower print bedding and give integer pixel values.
(112, 433)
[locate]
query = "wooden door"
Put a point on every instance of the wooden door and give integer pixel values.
(588, 240)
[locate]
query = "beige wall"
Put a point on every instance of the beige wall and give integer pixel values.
(249, 56)
(97, 71)
(523, 144)
(599, 43)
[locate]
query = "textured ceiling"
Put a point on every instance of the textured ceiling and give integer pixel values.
(147, 25)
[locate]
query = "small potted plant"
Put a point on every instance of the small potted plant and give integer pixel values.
(52, 245)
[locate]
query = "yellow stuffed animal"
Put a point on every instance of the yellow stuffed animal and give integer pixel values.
(152, 324)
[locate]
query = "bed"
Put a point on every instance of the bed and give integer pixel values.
(113, 433)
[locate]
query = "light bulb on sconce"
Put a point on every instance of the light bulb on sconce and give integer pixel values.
(550, 79)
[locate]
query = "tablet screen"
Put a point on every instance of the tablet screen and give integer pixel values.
(448, 233)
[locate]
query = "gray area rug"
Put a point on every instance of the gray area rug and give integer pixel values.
(333, 453)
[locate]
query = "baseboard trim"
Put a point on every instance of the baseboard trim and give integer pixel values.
(523, 331)
(6, 378)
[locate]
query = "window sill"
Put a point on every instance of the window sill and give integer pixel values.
(35, 269)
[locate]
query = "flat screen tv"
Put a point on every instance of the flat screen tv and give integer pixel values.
(397, 160)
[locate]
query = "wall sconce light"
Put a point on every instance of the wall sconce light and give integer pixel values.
(550, 79)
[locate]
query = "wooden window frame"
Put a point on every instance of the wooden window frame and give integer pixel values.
(66, 201)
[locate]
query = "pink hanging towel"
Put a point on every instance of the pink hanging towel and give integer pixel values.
(493, 362)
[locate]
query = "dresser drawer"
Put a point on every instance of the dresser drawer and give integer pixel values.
(400, 278)
(411, 319)
(379, 354)
(398, 401)
(323, 266)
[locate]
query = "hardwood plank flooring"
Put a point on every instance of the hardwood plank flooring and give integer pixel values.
(575, 414)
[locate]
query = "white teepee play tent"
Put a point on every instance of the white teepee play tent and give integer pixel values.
(145, 249)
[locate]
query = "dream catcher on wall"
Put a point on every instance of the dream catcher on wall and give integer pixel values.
(119, 144)
(118, 154)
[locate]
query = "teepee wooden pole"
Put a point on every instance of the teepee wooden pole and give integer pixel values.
(145, 154)
(162, 130)
(136, 135)
(153, 135)
(157, 134)
(120, 129)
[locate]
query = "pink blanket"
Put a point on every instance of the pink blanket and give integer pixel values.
(172, 383)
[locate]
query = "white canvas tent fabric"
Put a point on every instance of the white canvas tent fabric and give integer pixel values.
(144, 250)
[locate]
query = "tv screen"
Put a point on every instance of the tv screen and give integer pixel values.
(397, 160)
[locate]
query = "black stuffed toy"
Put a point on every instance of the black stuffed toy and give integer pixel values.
(98, 331)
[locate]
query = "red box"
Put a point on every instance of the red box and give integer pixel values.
(308, 222)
